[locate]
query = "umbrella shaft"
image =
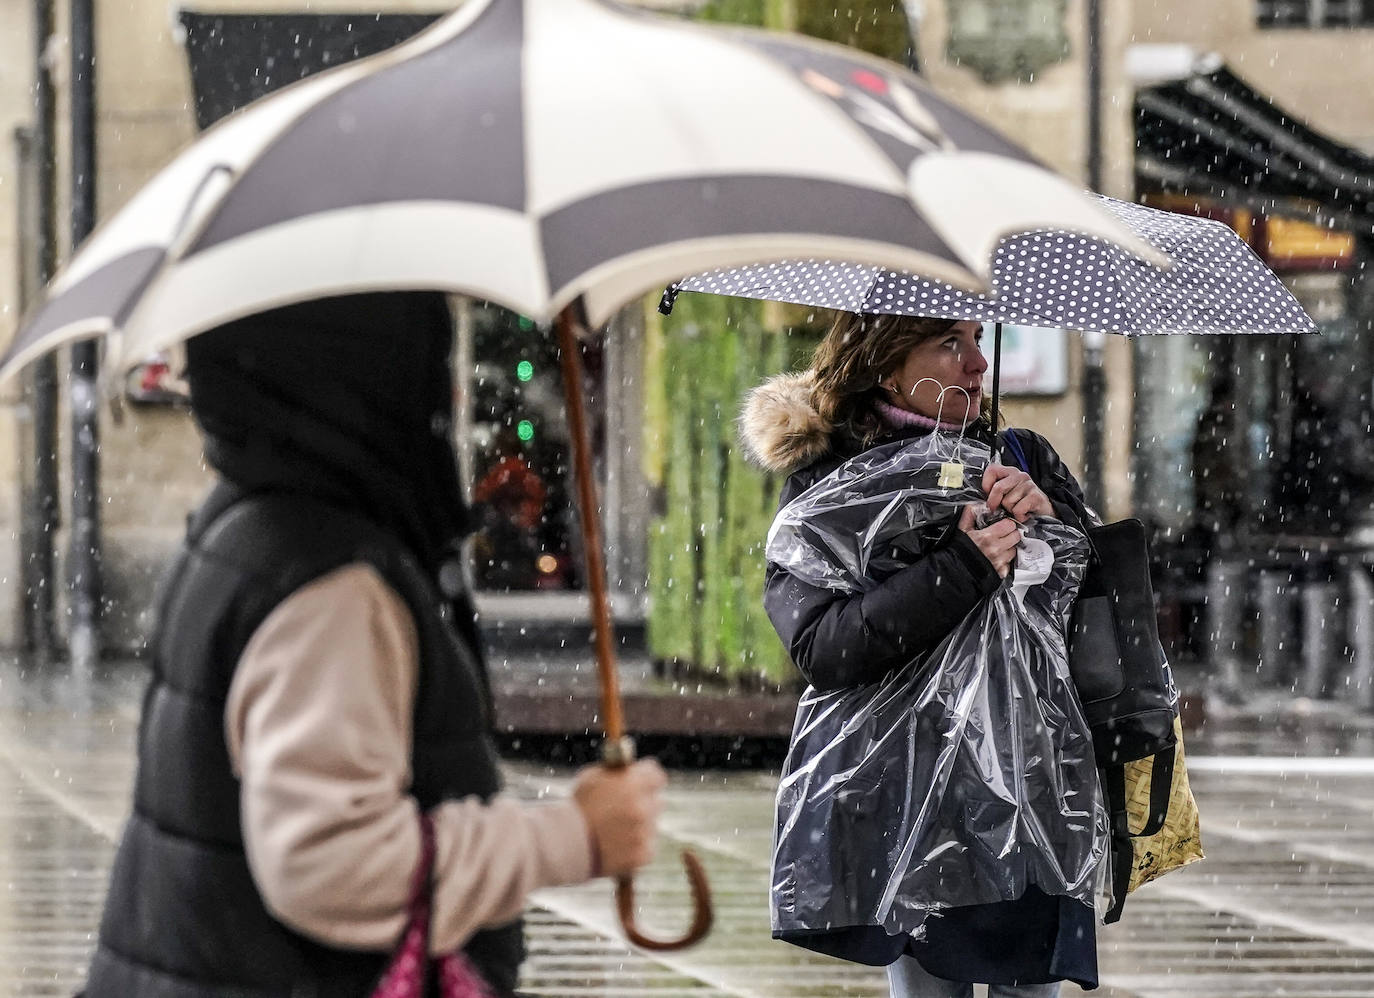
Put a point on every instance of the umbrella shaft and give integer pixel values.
(570, 361)
(996, 373)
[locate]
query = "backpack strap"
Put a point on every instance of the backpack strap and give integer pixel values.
(1119, 853)
(1012, 444)
(1161, 784)
(1122, 853)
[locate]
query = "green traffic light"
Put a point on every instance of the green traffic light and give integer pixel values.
(524, 430)
(524, 370)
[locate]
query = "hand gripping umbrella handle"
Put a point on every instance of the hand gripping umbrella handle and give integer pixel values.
(617, 753)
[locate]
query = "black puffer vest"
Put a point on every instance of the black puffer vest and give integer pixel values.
(183, 918)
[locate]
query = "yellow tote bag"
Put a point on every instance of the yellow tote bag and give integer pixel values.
(1179, 841)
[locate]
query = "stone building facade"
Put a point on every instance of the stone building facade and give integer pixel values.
(152, 471)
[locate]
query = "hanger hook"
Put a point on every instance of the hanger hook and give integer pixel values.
(940, 409)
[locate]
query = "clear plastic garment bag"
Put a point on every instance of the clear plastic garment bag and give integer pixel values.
(964, 775)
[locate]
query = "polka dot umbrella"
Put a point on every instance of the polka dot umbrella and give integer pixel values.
(1216, 284)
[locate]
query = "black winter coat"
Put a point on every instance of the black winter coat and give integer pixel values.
(839, 639)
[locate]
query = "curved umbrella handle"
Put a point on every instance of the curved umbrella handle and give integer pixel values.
(617, 753)
(702, 914)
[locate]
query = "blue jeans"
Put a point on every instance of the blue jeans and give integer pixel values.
(908, 979)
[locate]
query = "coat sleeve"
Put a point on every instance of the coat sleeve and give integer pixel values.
(319, 728)
(845, 639)
(1056, 481)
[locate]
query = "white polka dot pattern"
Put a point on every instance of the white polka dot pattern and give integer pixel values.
(1217, 284)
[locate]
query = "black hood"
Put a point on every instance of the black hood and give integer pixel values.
(348, 400)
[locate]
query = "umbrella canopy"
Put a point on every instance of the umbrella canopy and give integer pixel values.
(531, 152)
(1054, 278)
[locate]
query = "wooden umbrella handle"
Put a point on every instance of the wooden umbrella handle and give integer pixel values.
(616, 755)
(702, 915)
(617, 750)
(570, 361)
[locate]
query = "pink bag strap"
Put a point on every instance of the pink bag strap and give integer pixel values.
(405, 974)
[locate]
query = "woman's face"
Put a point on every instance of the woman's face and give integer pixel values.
(942, 364)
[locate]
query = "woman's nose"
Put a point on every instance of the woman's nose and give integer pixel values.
(975, 362)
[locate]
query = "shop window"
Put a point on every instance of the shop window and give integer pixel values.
(518, 461)
(1314, 13)
(1320, 480)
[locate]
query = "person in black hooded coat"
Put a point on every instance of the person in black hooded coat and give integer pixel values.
(318, 684)
(875, 380)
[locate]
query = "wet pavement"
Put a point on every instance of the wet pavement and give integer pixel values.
(1282, 906)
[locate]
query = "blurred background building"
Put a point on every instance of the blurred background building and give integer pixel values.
(1250, 458)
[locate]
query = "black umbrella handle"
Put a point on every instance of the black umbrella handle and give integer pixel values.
(996, 373)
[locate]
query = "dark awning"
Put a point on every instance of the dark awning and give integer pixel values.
(237, 58)
(1212, 135)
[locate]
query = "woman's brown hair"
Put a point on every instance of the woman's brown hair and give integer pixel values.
(859, 351)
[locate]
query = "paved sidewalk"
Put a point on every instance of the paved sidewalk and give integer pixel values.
(1281, 906)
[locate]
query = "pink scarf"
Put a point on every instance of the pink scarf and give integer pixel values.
(901, 418)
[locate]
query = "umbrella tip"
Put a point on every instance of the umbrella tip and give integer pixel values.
(665, 304)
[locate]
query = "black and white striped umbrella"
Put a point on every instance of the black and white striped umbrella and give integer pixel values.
(533, 152)
(1053, 278)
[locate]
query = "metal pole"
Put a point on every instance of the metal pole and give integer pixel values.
(41, 558)
(1094, 390)
(83, 561)
(1093, 54)
(35, 541)
(26, 283)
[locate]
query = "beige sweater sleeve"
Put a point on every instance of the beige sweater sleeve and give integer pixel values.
(318, 725)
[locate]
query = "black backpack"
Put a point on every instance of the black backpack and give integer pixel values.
(1122, 678)
(1115, 656)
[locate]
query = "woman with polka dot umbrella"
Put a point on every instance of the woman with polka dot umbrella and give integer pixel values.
(1216, 284)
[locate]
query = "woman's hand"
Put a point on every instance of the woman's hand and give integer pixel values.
(621, 807)
(997, 540)
(1016, 492)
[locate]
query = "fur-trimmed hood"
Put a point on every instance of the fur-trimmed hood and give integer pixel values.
(779, 427)
(781, 430)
